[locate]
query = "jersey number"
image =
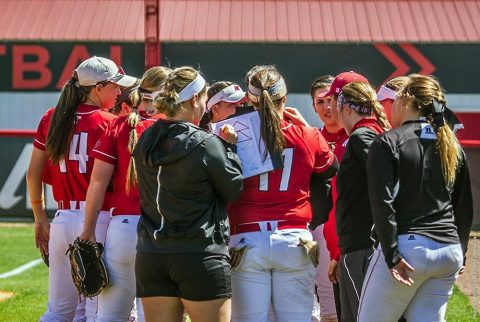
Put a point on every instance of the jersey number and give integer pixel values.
(287, 157)
(78, 152)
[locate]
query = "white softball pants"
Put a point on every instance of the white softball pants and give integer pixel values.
(62, 294)
(436, 268)
(324, 286)
(115, 302)
(275, 273)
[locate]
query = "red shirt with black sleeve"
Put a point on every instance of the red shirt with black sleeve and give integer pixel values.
(338, 142)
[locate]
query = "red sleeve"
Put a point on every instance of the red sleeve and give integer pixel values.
(330, 235)
(104, 149)
(322, 154)
(42, 130)
(330, 227)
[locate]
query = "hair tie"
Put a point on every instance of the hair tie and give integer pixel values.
(437, 114)
(75, 82)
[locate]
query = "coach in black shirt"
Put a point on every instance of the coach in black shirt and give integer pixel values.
(421, 203)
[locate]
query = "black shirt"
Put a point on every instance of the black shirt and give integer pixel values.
(408, 193)
(353, 215)
(186, 176)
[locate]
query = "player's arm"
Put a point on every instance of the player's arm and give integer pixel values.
(462, 202)
(381, 193)
(35, 170)
(324, 160)
(101, 175)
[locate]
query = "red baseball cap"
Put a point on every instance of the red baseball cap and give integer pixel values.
(342, 80)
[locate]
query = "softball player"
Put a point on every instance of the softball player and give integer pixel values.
(422, 209)
(223, 100)
(363, 118)
(113, 162)
(386, 93)
(64, 140)
(271, 216)
(326, 235)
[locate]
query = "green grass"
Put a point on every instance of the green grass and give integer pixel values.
(17, 247)
(30, 288)
(459, 308)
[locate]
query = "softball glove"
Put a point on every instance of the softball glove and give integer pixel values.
(89, 273)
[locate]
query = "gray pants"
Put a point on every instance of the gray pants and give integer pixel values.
(353, 267)
(436, 267)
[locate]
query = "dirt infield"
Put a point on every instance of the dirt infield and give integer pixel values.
(5, 295)
(15, 224)
(468, 281)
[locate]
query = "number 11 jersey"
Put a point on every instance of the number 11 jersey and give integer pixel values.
(284, 194)
(71, 176)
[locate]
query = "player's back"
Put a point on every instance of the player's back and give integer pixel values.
(284, 193)
(71, 176)
(113, 148)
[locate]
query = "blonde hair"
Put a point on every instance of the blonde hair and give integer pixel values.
(167, 102)
(421, 92)
(397, 82)
(268, 105)
(363, 95)
(152, 80)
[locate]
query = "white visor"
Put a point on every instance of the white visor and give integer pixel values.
(386, 93)
(230, 94)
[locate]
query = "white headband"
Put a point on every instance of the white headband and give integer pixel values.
(254, 91)
(150, 96)
(230, 94)
(274, 89)
(386, 93)
(191, 89)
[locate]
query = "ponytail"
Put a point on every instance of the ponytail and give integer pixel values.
(133, 120)
(270, 126)
(449, 149)
(167, 103)
(380, 115)
(267, 88)
(153, 80)
(64, 118)
(427, 96)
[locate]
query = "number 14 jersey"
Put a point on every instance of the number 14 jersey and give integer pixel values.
(70, 178)
(284, 194)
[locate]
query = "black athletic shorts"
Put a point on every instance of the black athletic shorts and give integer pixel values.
(193, 277)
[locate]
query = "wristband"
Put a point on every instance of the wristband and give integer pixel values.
(37, 202)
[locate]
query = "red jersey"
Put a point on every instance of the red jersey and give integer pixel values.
(338, 142)
(71, 176)
(284, 194)
(113, 148)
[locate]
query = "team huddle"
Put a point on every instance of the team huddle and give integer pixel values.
(367, 218)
